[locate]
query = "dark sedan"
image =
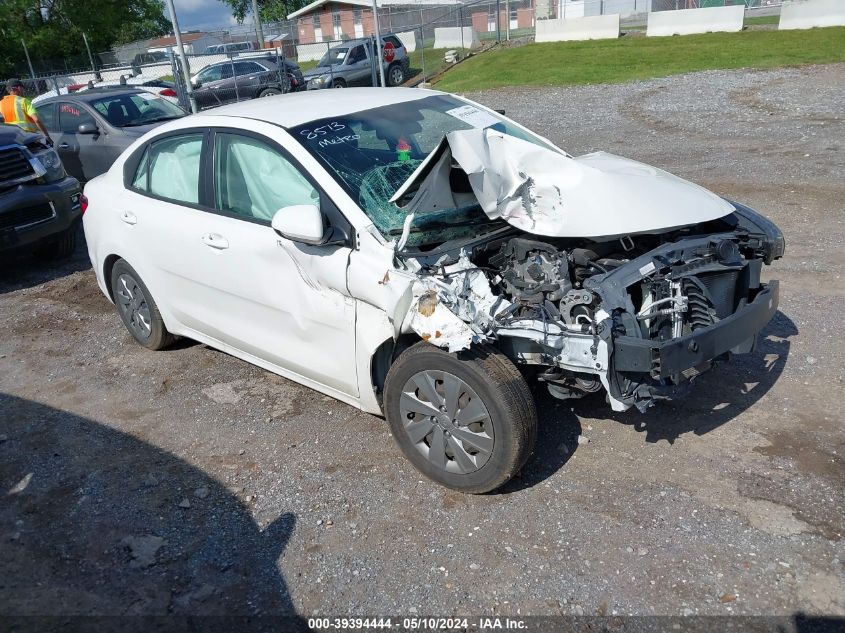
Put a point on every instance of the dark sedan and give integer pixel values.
(91, 128)
(245, 78)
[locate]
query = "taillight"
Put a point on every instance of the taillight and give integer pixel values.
(83, 203)
(168, 92)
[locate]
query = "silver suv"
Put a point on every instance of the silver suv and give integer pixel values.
(351, 64)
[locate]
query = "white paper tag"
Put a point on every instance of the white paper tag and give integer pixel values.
(472, 115)
(147, 96)
(647, 269)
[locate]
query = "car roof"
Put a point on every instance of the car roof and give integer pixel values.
(90, 94)
(297, 108)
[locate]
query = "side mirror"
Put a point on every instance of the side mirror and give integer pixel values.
(196, 84)
(88, 128)
(300, 223)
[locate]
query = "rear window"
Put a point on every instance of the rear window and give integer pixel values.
(397, 43)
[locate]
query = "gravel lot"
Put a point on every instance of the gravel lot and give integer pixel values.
(188, 481)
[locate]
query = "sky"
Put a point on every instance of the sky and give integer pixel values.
(203, 14)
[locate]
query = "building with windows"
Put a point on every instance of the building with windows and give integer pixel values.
(332, 20)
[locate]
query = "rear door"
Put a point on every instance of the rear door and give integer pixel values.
(248, 76)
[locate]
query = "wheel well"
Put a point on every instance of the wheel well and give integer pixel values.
(108, 265)
(383, 358)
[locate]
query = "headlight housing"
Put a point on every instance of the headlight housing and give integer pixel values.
(774, 243)
(320, 81)
(52, 164)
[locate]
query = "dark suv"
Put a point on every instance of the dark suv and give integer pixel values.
(245, 78)
(39, 203)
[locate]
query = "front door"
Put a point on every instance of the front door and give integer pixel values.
(83, 155)
(358, 67)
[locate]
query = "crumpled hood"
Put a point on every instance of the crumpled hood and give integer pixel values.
(546, 192)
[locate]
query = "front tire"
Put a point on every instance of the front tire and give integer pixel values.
(269, 92)
(465, 420)
(137, 308)
(339, 83)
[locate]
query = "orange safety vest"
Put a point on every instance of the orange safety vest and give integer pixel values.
(14, 111)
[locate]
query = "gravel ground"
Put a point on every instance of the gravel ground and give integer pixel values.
(188, 481)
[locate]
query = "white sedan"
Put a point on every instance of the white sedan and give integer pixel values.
(422, 257)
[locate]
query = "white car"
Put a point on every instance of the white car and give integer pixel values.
(422, 257)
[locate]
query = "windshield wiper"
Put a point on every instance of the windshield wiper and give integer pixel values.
(155, 120)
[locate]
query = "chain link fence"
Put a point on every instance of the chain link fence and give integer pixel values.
(231, 64)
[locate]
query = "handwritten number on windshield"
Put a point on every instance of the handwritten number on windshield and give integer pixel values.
(334, 126)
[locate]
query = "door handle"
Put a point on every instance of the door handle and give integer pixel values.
(63, 145)
(215, 240)
(128, 217)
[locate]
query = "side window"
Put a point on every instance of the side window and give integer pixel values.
(245, 68)
(226, 71)
(397, 43)
(174, 166)
(71, 116)
(253, 180)
(47, 114)
(212, 73)
(141, 179)
(357, 54)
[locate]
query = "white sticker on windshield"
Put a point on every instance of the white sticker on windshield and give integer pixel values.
(146, 96)
(472, 115)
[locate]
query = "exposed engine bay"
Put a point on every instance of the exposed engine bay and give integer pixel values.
(638, 316)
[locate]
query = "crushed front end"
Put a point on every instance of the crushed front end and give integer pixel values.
(639, 317)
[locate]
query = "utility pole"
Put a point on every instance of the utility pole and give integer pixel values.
(258, 30)
(91, 58)
(186, 69)
(28, 60)
(508, 20)
(498, 23)
(378, 45)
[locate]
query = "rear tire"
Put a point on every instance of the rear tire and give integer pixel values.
(137, 308)
(395, 75)
(59, 246)
(465, 420)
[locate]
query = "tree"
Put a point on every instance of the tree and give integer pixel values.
(52, 29)
(268, 10)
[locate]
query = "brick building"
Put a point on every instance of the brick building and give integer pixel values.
(331, 20)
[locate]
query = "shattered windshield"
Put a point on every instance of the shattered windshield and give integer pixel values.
(373, 152)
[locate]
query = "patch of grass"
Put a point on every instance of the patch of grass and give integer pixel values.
(434, 61)
(762, 19)
(626, 59)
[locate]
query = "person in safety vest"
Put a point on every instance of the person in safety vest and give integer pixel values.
(18, 110)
